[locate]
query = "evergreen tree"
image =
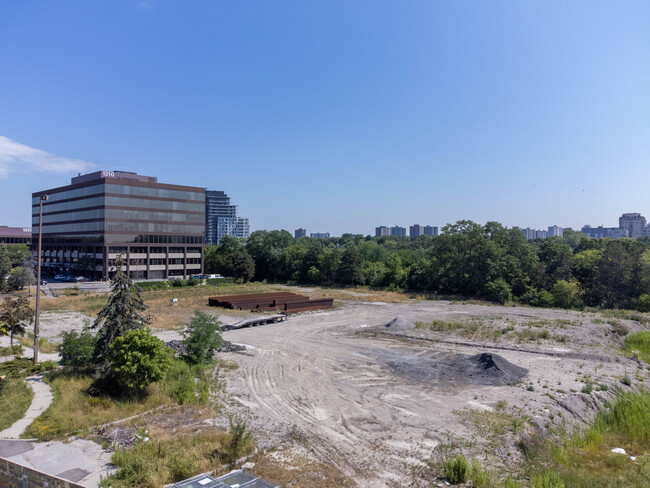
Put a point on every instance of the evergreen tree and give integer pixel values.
(14, 312)
(5, 267)
(122, 313)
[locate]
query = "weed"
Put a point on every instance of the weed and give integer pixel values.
(480, 476)
(640, 344)
(546, 479)
(456, 469)
(626, 380)
(15, 399)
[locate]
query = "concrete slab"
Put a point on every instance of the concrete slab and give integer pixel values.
(9, 448)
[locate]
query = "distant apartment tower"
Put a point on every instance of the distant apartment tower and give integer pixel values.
(633, 223)
(531, 234)
(298, 233)
(382, 231)
(320, 235)
(221, 218)
(555, 231)
(601, 232)
(398, 231)
(415, 231)
(430, 230)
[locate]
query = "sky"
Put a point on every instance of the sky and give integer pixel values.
(337, 116)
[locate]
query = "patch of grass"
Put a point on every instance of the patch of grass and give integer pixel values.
(546, 479)
(44, 346)
(639, 344)
(159, 462)
(14, 350)
(15, 399)
(23, 367)
(642, 318)
(480, 476)
(618, 328)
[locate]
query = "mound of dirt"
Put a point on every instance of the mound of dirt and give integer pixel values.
(448, 369)
(400, 323)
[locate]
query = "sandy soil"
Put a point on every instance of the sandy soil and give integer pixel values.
(327, 384)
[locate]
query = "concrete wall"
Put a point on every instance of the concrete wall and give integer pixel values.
(14, 475)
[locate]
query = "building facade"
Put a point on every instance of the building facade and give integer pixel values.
(382, 231)
(415, 231)
(158, 228)
(398, 231)
(221, 218)
(430, 230)
(298, 233)
(555, 231)
(15, 235)
(633, 223)
(320, 235)
(601, 232)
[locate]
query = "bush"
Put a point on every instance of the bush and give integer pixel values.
(239, 439)
(546, 479)
(15, 350)
(456, 470)
(177, 283)
(498, 291)
(139, 359)
(201, 336)
(629, 416)
(481, 477)
(187, 384)
(77, 348)
(219, 281)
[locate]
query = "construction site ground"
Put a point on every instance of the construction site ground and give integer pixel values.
(333, 398)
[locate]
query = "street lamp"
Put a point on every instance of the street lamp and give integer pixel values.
(44, 197)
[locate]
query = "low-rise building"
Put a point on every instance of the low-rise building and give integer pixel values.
(15, 235)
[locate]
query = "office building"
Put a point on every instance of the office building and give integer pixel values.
(221, 218)
(320, 235)
(415, 231)
(555, 231)
(633, 223)
(398, 231)
(159, 228)
(15, 235)
(430, 230)
(382, 231)
(298, 233)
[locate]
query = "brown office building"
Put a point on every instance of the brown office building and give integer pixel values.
(15, 235)
(159, 228)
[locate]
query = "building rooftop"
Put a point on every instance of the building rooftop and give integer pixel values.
(122, 175)
(6, 231)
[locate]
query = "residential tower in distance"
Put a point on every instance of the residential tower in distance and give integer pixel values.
(221, 218)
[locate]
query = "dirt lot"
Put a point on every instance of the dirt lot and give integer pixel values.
(325, 388)
(333, 398)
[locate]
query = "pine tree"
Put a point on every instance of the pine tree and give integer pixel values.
(5, 267)
(122, 313)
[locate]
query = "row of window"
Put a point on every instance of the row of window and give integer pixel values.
(112, 213)
(118, 238)
(114, 201)
(153, 250)
(155, 192)
(64, 195)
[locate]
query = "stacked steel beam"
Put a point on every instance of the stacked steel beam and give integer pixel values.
(265, 302)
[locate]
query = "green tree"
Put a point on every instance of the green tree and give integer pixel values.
(122, 313)
(498, 291)
(138, 359)
(77, 349)
(20, 255)
(565, 295)
(201, 337)
(210, 258)
(21, 277)
(350, 269)
(14, 314)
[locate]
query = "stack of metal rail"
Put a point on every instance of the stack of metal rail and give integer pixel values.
(235, 479)
(267, 302)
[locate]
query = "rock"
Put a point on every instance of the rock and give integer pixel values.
(248, 466)
(619, 450)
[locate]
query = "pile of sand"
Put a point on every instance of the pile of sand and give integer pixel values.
(400, 323)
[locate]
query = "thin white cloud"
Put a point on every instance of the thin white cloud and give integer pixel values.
(147, 5)
(19, 158)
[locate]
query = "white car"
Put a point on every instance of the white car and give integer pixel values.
(214, 276)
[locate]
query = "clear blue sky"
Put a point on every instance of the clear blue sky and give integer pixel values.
(337, 116)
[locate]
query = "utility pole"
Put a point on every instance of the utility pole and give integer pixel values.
(44, 197)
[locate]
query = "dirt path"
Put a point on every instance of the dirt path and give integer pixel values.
(321, 379)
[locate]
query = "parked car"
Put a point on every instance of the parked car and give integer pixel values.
(69, 278)
(60, 277)
(80, 279)
(214, 276)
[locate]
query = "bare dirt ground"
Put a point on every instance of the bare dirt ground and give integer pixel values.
(325, 388)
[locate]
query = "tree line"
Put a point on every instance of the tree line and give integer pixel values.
(468, 259)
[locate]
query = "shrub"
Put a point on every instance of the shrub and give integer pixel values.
(456, 470)
(187, 384)
(546, 479)
(15, 350)
(219, 281)
(153, 285)
(628, 416)
(77, 348)
(481, 477)
(498, 291)
(201, 336)
(239, 439)
(139, 359)
(565, 295)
